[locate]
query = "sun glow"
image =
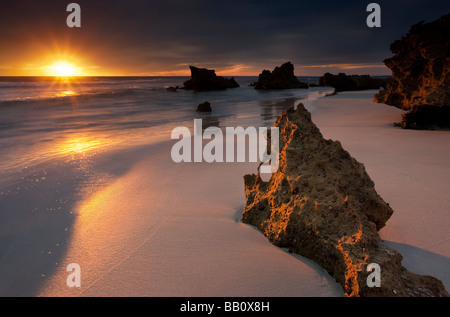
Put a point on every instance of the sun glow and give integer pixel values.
(63, 69)
(80, 145)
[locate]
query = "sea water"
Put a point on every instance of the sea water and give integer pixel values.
(64, 142)
(46, 119)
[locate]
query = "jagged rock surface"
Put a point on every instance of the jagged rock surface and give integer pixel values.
(203, 79)
(281, 77)
(344, 82)
(322, 204)
(421, 70)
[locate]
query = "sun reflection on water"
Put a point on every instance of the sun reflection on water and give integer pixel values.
(66, 93)
(79, 145)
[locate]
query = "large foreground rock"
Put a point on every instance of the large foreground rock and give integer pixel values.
(421, 70)
(280, 78)
(203, 79)
(322, 204)
(344, 82)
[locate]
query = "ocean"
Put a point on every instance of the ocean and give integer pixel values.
(46, 119)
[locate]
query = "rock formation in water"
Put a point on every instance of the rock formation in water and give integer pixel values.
(421, 70)
(173, 89)
(204, 107)
(203, 79)
(280, 78)
(344, 82)
(322, 204)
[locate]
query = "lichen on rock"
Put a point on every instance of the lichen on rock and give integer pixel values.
(322, 204)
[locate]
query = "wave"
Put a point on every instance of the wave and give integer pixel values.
(40, 81)
(69, 94)
(26, 89)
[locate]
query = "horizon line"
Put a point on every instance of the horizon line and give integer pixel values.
(81, 76)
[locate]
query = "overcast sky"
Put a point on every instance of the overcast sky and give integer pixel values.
(144, 37)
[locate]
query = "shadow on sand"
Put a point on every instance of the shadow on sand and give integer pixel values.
(424, 262)
(38, 214)
(334, 285)
(415, 259)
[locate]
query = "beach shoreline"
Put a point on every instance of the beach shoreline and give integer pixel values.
(146, 226)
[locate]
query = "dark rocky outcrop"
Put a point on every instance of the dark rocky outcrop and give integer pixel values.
(421, 75)
(204, 107)
(322, 204)
(280, 78)
(173, 89)
(344, 82)
(203, 79)
(426, 118)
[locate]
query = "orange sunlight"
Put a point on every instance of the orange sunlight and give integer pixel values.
(79, 145)
(63, 69)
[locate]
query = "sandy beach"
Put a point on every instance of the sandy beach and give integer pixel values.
(111, 199)
(146, 226)
(167, 229)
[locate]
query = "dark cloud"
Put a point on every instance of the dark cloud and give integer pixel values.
(138, 36)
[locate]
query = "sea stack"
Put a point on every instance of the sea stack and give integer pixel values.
(421, 70)
(344, 82)
(322, 204)
(203, 79)
(280, 78)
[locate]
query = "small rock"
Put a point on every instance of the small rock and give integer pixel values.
(173, 88)
(204, 107)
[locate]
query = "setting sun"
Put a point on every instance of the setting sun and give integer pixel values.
(63, 69)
